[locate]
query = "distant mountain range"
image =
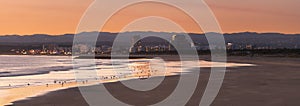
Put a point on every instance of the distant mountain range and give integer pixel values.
(243, 38)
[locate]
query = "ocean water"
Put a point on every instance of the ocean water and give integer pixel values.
(24, 70)
(19, 70)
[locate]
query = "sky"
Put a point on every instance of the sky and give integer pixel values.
(25, 17)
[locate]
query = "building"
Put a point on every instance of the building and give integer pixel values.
(136, 44)
(180, 42)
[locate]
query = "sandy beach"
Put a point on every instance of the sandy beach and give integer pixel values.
(31, 91)
(24, 93)
(273, 82)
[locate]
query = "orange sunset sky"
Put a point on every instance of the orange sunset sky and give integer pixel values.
(26, 17)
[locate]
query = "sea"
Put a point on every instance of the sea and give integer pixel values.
(24, 70)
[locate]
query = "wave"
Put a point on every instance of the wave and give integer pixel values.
(41, 70)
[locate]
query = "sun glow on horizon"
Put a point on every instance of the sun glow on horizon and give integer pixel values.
(60, 17)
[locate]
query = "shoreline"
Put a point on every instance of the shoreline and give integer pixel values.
(31, 91)
(54, 88)
(269, 83)
(41, 90)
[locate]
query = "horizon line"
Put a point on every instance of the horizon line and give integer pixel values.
(149, 31)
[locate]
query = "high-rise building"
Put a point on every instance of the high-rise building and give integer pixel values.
(229, 46)
(135, 41)
(135, 44)
(180, 42)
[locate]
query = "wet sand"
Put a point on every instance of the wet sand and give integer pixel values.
(14, 94)
(274, 82)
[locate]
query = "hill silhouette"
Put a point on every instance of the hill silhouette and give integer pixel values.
(278, 40)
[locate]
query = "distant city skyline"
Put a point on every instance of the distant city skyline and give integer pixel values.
(60, 17)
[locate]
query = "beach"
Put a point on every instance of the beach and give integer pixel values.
(33, 77)
(31, 91)
(149, 53)
(273, 82)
